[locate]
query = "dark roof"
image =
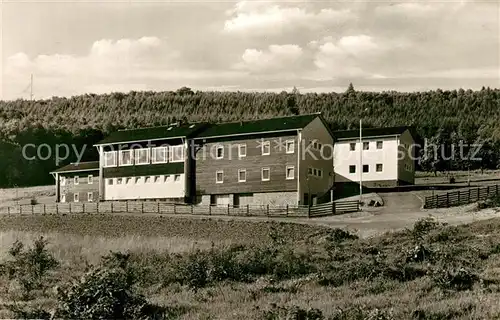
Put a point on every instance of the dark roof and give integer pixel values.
(80, 166)
(153, 133)
(372, 132)
(258, 126)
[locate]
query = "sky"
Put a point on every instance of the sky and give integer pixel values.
(78, 47)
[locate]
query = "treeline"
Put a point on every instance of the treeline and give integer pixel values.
(83, 120)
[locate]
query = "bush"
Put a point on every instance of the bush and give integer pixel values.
(418, 254)
(105, 294)
(454, 279)
(338, 235)
(360, 313)
(423, 226)
(30, 267)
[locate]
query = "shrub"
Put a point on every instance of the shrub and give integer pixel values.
(361, 313)
(423, 226)
(30, 267)
(454, 279)
(338, 235)
(105, 294)
(418, 254)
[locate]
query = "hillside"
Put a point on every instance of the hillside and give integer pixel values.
(212, 269)
(446, 116)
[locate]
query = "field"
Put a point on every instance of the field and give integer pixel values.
(214, 269)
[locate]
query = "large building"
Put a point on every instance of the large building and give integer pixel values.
(278, 161)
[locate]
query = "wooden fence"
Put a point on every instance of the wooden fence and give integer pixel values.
(142, 207)
(461, 197)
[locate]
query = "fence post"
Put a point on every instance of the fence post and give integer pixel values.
(468, 197)
(192, 208)
(111, 207)
(478, 189)
(333, 207)
(228, 213)
(287, 209)
(174, 208)
(248, 209)
(83, 207)
(32, 209)
(142, 207)
(496, 189)
(57, 208)
(487, 191)
(209, 209)
(158, 206)
(69, 207)
(267, 209)
(447, 199)
(8, 210)
(126, 206)
(308, 210)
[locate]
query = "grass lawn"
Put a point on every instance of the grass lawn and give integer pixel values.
(214, 269)
(422, 177)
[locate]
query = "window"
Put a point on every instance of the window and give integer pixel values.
(76, 179)
(137, 180)
(63, 181)
(177, 153)
(315, 172)
(76, 197)
(366, 145)
(110, 159)
(315, 145)
(320, 146)
(266, 148)
(219, 176)
(177, 178)
(219, 152)
(380, 144)
(63, 197)
(379, 167)
(158, 179)
(290, 172)
(128, 180)
(147, 179)
(119, 181)
(366, 168)
(142, 156)
(309, 171)
(352, 146)
(242, 175)
(110, 182)
(320, 173)
(159, 155)
(167, 178)
(242, 150)
(352, 169)
(90, 179)
(290, 146)
(125, 157)
(266, 174)
(90, 196)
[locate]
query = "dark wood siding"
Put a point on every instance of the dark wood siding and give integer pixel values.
(207, 166)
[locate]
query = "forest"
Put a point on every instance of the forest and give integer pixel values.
(442, 117)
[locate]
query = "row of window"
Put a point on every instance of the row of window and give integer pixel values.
(366, 145)
(76, 180)
(366, 168)
(265, 174)
(147, 179)
(76, 197)
(265, 149)
(315, 172)
(144, 156)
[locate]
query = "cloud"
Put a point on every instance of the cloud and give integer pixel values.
(262, 18)
(275, 58)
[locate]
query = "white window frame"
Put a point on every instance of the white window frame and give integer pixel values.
(90, 179)
(242, 146)
(367, 143)
(76, 197)
(137, 157)
(292, 144)
(363, 168)
(63, 197)
(115, 160)
(352, 165)
(240, 171)
(320, 173)
(262, 174)
(90, 197)
(381, 167)
(350, 146)
(153, 155)
(76, 180)
(268, 145)
(217, 148)
(292, 168)
(147, 179)
(177, 178)
(110, 181)
(217, 176)
(158, 179)
(137, 180)
(172, 152)
(381, 144)
(119, 181)
(120, 158)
